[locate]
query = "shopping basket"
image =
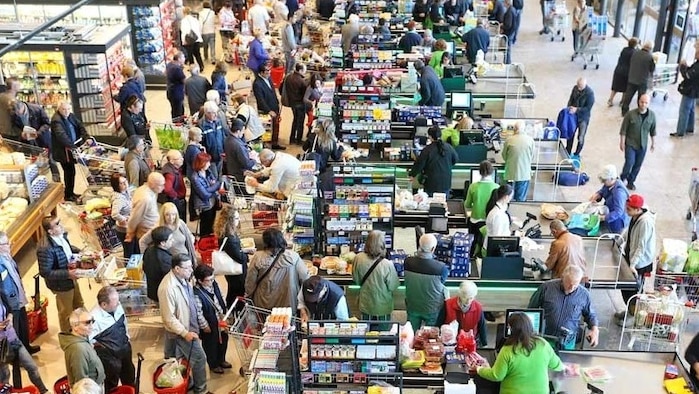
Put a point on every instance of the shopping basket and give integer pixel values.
(37, 319)
(179, 389)
(26, 390)
(62, 386)
(205, 246)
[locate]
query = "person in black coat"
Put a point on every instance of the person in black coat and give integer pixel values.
(174, 73)
(621, 71)
(509, 24)
(67, 134)
(420, 10)
(431, 89)
(131, 86)
(498, 12)
(226, 228)
(28, 116)
(476, 39)
(133, 120)
(437, 12)
(580, 102)
(210, 308)
(691, 355)
(455, 11)
(323, 142)
(325, 8)
(267, 102)
(157, 260)
(435, 164)
(237, 152)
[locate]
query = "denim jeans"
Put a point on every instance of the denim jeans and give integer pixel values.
(685, 122)
(518, 21)
(197, 361)
(27, 362)
(209, 46)
(582, 131)
(543, 17)
(576, 40)
(521, 188)
(633, 158)
(416, 319)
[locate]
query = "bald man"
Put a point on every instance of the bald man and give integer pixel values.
(566, 249)
(580, 103)
(144, 213)
(637, 128)
(424, 284)
(175, 189)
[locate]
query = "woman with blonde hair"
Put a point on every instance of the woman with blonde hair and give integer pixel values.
(323, 142)
(226, 229)
(182, 237)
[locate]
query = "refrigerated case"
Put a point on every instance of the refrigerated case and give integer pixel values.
(90, 68)
(24, 11)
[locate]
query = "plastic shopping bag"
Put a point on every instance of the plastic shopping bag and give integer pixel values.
(692, 265)
(673, 256)
(170, 374)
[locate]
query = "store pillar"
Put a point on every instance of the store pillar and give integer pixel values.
(640, 5)
(662, 23)
(617, 18)
(669, 28)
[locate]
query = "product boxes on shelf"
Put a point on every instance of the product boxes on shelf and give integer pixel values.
(454, 250)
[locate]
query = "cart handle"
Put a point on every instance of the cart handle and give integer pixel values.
(140, 356)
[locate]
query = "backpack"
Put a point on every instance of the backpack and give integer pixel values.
(571, 178)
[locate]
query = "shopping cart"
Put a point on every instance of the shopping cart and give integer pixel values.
(254, 342)
(127, 276)
(664, 76)
(481, 9)
(258, 212)
(686, 286)
(173, 135)
(592, 41)
(96, 164)
(33, 154)
(658, 320)
(97, 228)
(557, 19)
(693, 201)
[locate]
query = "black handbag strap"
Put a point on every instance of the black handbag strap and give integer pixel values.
(264, 275)
(371, 269)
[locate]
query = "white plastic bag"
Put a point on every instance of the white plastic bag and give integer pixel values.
(673, 256)
(170, 374)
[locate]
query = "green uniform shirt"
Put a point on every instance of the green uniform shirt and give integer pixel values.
(477, 198)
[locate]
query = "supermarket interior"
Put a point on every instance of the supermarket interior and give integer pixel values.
(84, 67)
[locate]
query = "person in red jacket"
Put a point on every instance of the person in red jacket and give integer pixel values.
(468, 312)
(175, 189)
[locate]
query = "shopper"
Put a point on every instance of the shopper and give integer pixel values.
(523, 361)
(637, 128)
(110, 334)
(195, 88)
(376, 277)
(424, 284)
(689, 89)
(691, 355)
(323, 142)
(7, 97)
(210, 310)
(182, 237)
(257, 54)
(498, 11)
(281, 171)
(383, 30)
(254, 130)
(349, 34)
(268, 103)
(80, 357)
(18, 353)
(545, 10)
(311, 97)
(639, 248)
(508, 27)
(135, 164)
(157, 260)
(175, 85)
(213, 129)
(477, 197)
(455, 11)
(621, 71)
(580, 103)
(421, 9)
(207, 19)
(228, 23)
(144, 209)
(410, 38)
(518, 153)
(566, 249)
(275, 274)
(440, 47)
(219, 82)
(641, 69)
(179, 313)
(68, 134)
(121, 208)
(13, 294)
(580, 19)
(435, 163)
(325, 8)
(227, 230)
(205, 188)
(431, 89)
(280, 11)
(468, 312)
(175, 190)
(194, 147)
(615, 195)
(130, 87)
(427, 39)
(32, 123)
(259, 19)
(321, 299)
(565, 304)
(190, 34)
(133, 120)
(238, 158)
(289, 45)
(295, 87)
(498, 221)
(517, 8)
(54, 255)
(476, 39)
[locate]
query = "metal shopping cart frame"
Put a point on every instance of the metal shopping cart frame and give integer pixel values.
(557, 19)
(664, 76)
(693, 201)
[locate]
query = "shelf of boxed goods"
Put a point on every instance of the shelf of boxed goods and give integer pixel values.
(364, 115)
(42, 76)
(301, 216)
(148, 39)
(362, 202)
(349, 355)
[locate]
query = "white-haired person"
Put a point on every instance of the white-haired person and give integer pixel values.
(86, 386)
(281, 170)
(424, 284)
(518, 153)
(615, 195)
(464, 308)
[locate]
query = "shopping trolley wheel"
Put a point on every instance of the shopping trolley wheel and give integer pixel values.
(572, 58)
(667, 96)
(689, 215)
(597, 67)
(563, 39)
(655, 94)
(552, 38)
(241, 371)
(584, 66)
(694, 236)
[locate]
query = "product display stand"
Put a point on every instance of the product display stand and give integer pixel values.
(348, 356)
(301, 223)
(153, 37)
(362, 201)
(275, 364)
(365, 115)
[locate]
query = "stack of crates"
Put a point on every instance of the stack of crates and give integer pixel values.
(454, 251)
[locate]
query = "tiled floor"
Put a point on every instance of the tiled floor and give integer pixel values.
(663, 182)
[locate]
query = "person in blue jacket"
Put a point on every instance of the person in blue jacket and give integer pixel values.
(205, 186)
(476, 39)
(409, 39)
(615, 195)
(257, 54)
(580, 103)
(431, 89)
(213, 131)
(175, 85)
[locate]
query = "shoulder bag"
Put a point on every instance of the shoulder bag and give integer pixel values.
(371, 269)
(313, 155)
(264, 275)
(223, 264)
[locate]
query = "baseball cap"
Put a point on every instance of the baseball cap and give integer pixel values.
(635, 201)
(312, 288)
(608, 172)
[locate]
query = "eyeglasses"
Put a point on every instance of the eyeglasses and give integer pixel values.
(88, 322)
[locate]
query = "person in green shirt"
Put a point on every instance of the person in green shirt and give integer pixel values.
(377, 284)
(477, 198)
(440, 46)
(523, 361)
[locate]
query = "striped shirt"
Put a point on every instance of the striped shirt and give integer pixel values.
(561, 309)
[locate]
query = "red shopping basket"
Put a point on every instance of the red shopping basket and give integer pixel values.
(180, 389)
(62, 386)
(26, 390)
(123, 390)
(206, 246)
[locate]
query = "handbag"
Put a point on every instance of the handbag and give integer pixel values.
(223, 264)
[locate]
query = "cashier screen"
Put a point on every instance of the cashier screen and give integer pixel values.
(535, 315)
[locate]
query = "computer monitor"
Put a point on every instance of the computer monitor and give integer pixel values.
(534, 314)
(461, 101)
(503, 247)
(451, 49)
(453, 71)
(470, 137)
(440, 29)
(476, 176)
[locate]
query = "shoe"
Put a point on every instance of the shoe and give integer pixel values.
(218, 370)
(690, 131)
(610, 103)
(631, 186)
(620, 315)
(677, 135)
(226, 365)
(278, 147)
(33, 349)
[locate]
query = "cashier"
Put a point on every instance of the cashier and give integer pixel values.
(321, 299)
(615, 196)
(468, 312)
(566, 249)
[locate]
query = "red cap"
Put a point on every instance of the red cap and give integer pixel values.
(635, 201)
